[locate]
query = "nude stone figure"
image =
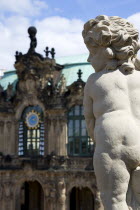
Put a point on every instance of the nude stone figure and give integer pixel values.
(112, 105)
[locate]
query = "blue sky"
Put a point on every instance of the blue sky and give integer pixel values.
(87, 9)
(59, 24)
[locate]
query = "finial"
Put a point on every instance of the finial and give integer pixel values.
(32, 35)
(53, 52)
(47, 51)
(79, 74)
(18, 56)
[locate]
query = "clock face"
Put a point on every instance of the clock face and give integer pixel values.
(32, 119)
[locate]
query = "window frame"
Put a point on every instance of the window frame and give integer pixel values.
(75, 118)
(24, 138)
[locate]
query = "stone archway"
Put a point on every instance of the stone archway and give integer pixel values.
(31, 196)
(81, 199)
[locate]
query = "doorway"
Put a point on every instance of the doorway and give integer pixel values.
(31, 196)
(81, 199)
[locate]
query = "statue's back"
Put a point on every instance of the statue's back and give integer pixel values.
(114, 91)
(116, 107)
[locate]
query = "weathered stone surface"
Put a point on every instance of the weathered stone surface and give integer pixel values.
(112, 108)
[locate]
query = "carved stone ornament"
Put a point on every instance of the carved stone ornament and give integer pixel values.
(8, 194)
(9, 124)
(61, 192)
(112, 108)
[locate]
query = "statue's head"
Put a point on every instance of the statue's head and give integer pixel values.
(112, 43)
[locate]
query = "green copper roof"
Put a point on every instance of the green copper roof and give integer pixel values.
(70, 72)
(71, 66)
(73, 59)
(9, 77)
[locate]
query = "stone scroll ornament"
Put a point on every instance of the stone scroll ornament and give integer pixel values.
(112, 109)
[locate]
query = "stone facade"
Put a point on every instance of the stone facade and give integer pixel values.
(45, 181)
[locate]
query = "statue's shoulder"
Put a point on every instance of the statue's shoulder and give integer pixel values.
(91, 78)
(89, 82)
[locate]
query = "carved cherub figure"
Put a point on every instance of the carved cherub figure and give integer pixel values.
(112, 105)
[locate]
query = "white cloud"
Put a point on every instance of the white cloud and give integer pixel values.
(23, 7)
(13, 36)
(135, 20)
(61, 33)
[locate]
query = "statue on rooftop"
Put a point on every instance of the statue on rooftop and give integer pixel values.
(112, 106)
(32, 34)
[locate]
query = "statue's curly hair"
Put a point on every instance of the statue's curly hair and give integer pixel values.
(117, 36)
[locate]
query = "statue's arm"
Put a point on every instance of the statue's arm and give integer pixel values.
(88, 111)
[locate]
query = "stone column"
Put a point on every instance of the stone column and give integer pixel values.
(62, 141)
(8, 196)
(50, 197)
(61, 195)
(8, 137)
(57, 132)
(9, 143)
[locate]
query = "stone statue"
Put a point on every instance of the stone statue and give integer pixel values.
(32, 34)
(112, 106)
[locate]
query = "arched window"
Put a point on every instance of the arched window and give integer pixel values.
(79, 143)
(31, 132)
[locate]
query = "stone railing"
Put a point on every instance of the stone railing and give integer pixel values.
(47, 163)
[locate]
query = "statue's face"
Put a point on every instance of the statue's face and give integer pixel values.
(97, 58)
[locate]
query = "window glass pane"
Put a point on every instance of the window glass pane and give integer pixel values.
(37, 145)
(77, 145)
(82, 110)
(20, 136)
(71, 145)
(28, 133)
(42, 134)
(84, 146)
(42, 125)
(29, 146)
(34, 145)
(70, 113)
(20, 131)
(28, 140)
(70, 128)
(38, 133)
(83, 127)
(77, 128)
(33, 133)
(42, 143)
(77, 110)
